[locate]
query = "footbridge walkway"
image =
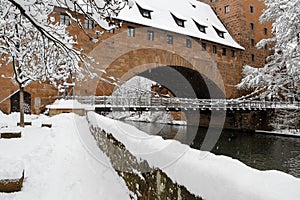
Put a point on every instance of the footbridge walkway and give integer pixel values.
(115, 103)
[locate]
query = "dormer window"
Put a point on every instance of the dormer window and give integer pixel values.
(144, 12)
(200, 27)
(219, 32)
(179, 22)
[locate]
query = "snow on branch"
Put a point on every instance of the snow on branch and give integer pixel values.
(280, 77)
(39, 48)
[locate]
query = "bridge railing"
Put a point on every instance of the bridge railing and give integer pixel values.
(185, 103)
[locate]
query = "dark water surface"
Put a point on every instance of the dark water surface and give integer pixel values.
(263, 152)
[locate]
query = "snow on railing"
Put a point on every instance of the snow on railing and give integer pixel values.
(184, 103)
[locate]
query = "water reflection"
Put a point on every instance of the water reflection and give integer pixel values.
(262, 152)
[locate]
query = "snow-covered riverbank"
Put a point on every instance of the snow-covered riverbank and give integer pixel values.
(64, 162)
(149, 117)
(284, 133)
(203, 173)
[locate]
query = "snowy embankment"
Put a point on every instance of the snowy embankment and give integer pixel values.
(284, 133)
(58, 164)
(149, 117)
(203, 173)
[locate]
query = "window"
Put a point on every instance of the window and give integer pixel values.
(150, 35)
(88, 23)
(232, 52)
(203, 46)
(200, 27)
(265, 31)
(214, 49)
(252, 57)
(227, 9)
(37, 102)
(144, 12)
(131, 31)
(64, 19)
(252, 42)
(219, 32)
(251, 26)
(251, 9)
(179, 22)
(224, 51)
(188, 43)
(169, 39)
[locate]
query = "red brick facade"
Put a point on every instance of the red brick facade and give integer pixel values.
(241, 17)
(123, 57)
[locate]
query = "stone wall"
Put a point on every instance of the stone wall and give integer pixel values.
(142, 180)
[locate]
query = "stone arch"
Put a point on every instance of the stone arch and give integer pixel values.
(140, 61)
(184, 82)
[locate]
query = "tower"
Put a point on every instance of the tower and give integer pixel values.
(241, 17)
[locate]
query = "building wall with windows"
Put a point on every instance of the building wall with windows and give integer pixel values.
(241, 18)
(134, 36)
(139, 35)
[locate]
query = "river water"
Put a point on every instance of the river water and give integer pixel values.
(263, 152)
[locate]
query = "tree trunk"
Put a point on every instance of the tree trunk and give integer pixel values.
(21, 105)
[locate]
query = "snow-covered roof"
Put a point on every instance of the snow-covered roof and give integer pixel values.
(189, 11)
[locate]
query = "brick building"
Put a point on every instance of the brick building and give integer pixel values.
(241, 18)
(155, 34)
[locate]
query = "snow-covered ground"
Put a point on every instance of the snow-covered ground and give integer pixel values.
(154, 117)
(64, 162)
(69, 104)
(11, 169)
(58, 165)
(203, 173)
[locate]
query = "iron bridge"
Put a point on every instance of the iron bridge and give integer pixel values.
(115, 103)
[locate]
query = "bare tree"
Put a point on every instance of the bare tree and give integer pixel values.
(39, 48)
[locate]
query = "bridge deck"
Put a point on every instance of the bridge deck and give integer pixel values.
(111, 103)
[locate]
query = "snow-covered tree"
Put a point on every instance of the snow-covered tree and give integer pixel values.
(279, 79)
(38, 48)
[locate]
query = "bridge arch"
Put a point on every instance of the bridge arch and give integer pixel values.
(191, 78)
